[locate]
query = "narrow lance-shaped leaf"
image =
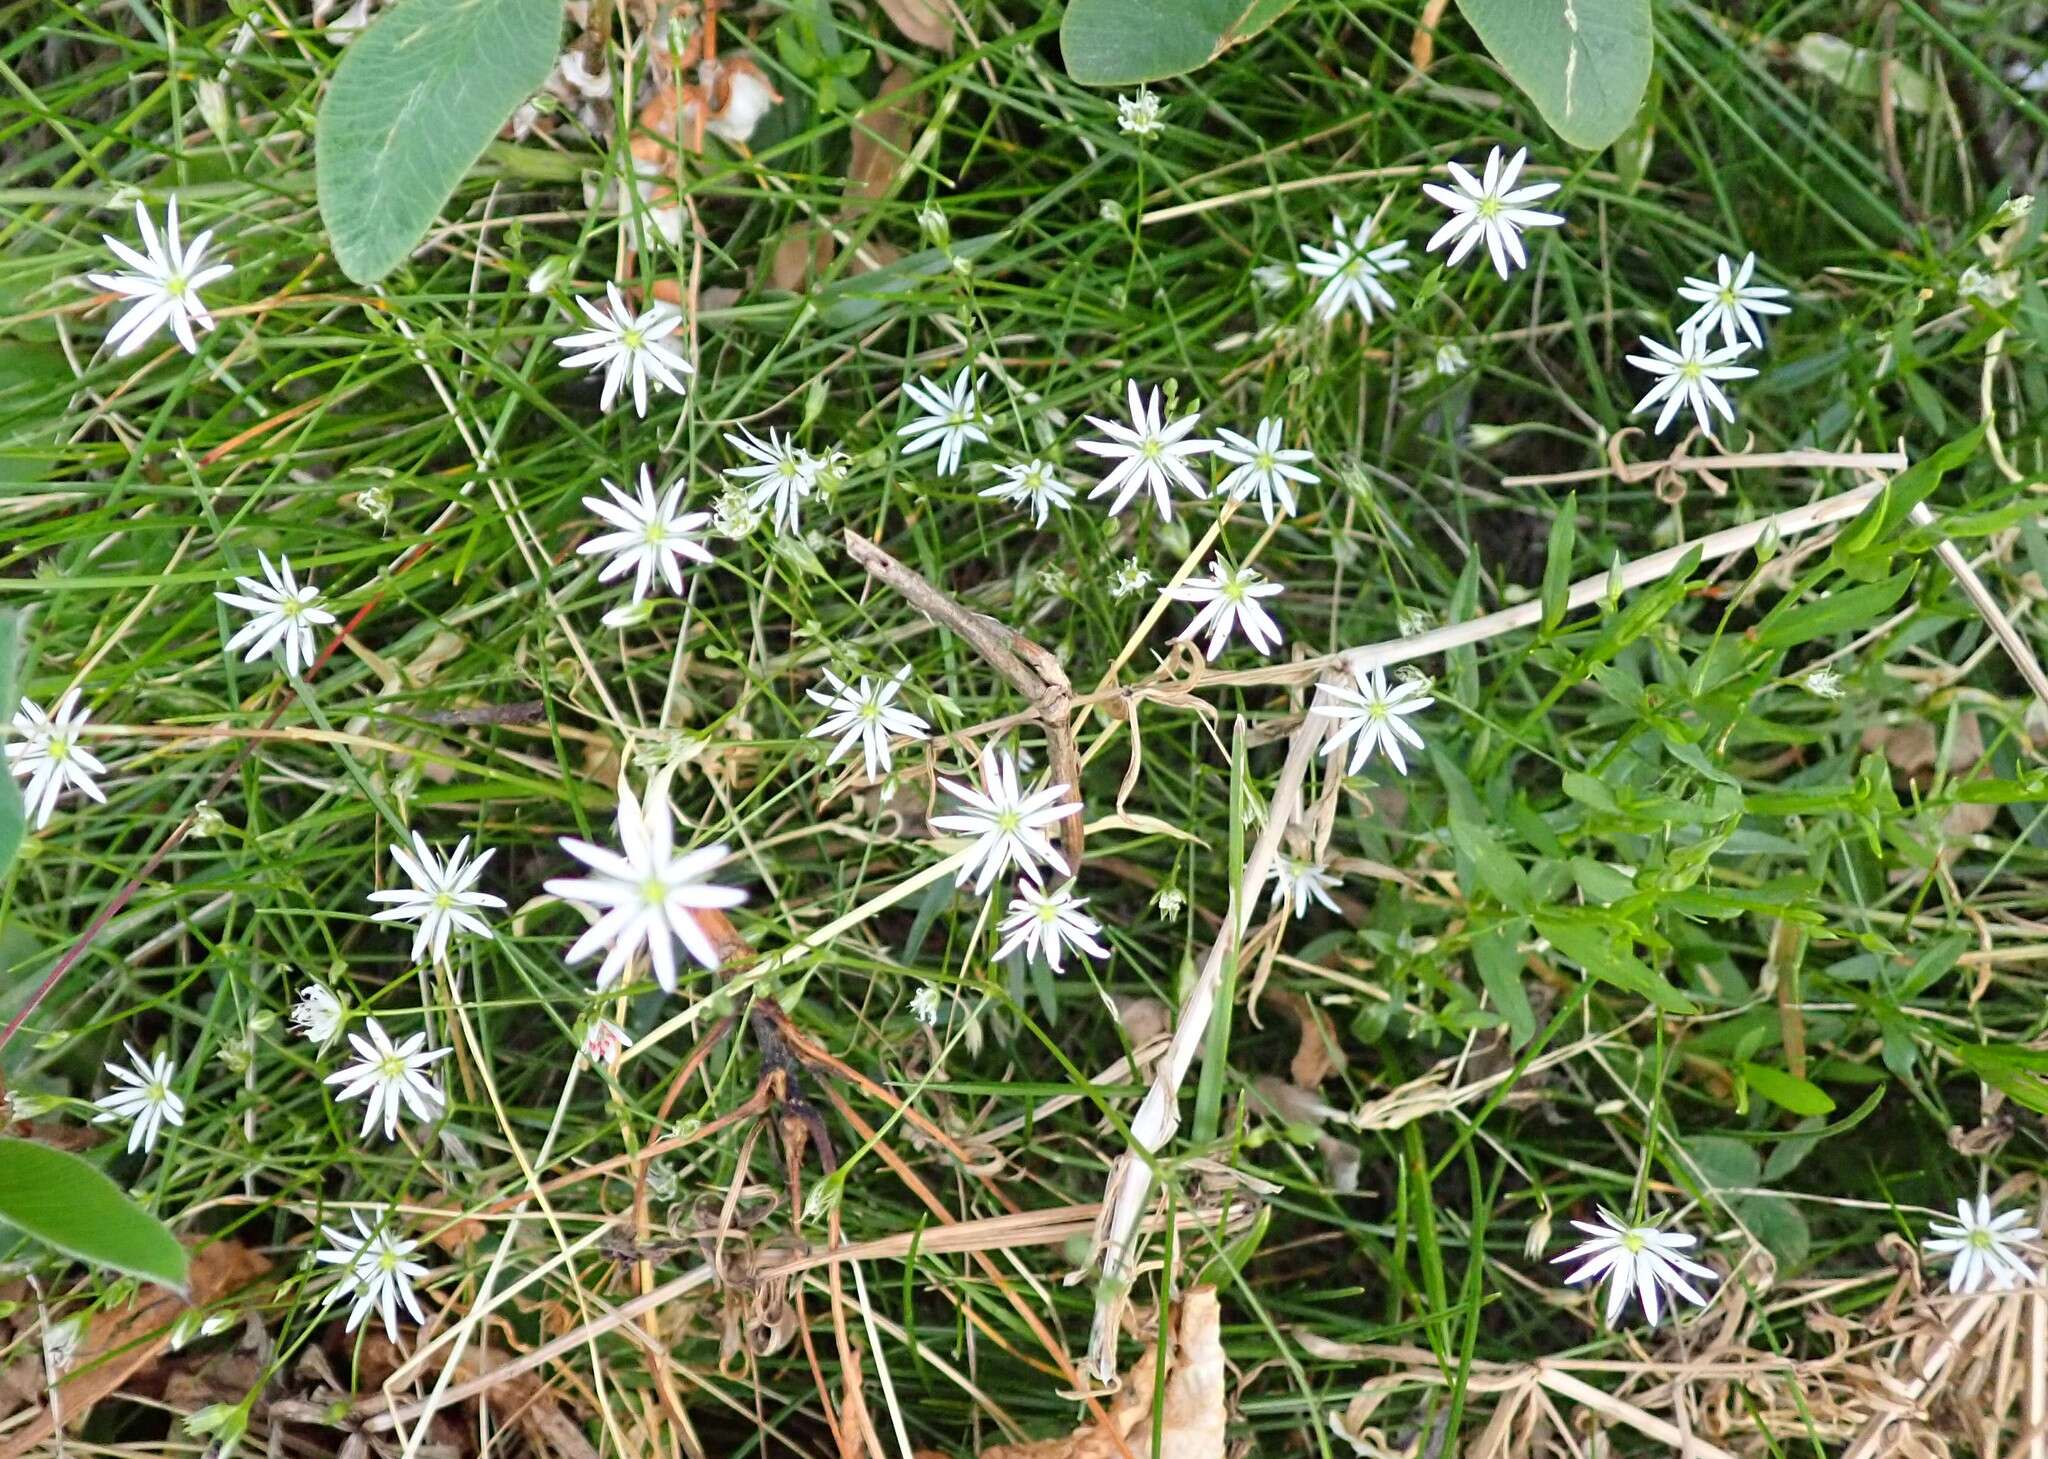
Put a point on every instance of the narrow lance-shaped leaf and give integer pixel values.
(66, 1203)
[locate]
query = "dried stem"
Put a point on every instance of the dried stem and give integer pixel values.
(1033, 671)
(2016, 647)
(1631, 471)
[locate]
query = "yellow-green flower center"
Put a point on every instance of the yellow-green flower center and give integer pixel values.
(633, 339)
(176, 285)
(391, 1068)
(59, 748)
(1633, 1242)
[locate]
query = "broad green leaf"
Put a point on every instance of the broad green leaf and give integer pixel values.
(417, 97)
(1585, 63)
(1493, 866)
(1606, 956)
(1724, 1163)
(65, 1202)
(1844, 611)
(1779, 1225)
(13, 818)
(1125, 42)
(1587, 791)
(1500, 973)
(1788, 1091)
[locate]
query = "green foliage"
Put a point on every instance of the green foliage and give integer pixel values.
(416, 99)
(1123, 42)
(65, 1202)
(1585, 63)
(13, 821)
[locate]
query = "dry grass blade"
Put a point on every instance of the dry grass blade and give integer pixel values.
(1031, 670)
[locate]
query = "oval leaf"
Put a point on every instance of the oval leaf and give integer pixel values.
(1126, 42)
(414, 102)
(65, 1202)
(1585, 63)
(1788, 1091)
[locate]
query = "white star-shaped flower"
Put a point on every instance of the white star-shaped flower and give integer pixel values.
(782, 479)
(282, 615)
(1730, 303)
(390, 1078)
(377, 1271)
(1150, 454)
(1983, 1248)
(1034, 485)
(648, 896)
(442, 900)
(47, 752)
(866, 715)
(604, 1041)
(1230, 598)
(144, 1096)
(1139, 115)
(164, 286)
(924, 1006)
(654, 534)
(1688, 375)
(1264, 468)
(1299, 880)
(1373, 717)
(951, 419)
(1642, 1260)
(318, 1013)
(628, 346)
(1493, 210)
(1007, 824)
(1046, 923)
(1352, 270)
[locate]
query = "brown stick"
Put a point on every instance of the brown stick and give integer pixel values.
(1033, 671)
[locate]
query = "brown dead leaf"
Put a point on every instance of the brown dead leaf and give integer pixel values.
(804, 253)
(1319, 1054)
(1911, 747)
(923, 22)
(121, 1342)
(1190, 1420)
(881, 138)
(456, 1234)
(524, 1399)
